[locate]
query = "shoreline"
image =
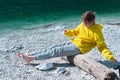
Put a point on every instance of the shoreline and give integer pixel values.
(35, 40)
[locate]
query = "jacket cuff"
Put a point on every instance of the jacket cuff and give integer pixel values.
(112, 59)
(67, 32)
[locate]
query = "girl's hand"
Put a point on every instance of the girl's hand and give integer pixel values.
(115, 60)
(64, 32)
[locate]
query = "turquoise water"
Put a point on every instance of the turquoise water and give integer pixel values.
(22, 14)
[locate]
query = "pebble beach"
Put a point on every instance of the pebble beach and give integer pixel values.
(14, 68)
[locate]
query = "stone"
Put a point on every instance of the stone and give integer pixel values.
(44, 66)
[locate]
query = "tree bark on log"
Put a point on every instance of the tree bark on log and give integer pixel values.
(96, 69)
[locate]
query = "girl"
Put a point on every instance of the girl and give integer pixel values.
(85, 37)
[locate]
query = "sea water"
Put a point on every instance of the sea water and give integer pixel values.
(28, 14)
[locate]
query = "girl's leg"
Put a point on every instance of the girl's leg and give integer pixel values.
(65, 49)
(57, 51)
(51, 47)
(27, 58)
(31, 57)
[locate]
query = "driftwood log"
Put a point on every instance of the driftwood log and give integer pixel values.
(96, 69)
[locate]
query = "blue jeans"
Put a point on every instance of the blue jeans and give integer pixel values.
(65, 49)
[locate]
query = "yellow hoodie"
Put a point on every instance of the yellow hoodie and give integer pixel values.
(86, 38)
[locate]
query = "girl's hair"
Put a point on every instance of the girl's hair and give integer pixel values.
(88, 16)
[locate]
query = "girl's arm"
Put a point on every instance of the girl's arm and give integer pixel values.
(103, 47)
(72, 32)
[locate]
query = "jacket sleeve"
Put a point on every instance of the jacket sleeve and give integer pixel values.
(102, 46)
(73, 32)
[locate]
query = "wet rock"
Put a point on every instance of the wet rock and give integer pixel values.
(114, 24)
(63, 71)
(44, 66)
(16, 48)
(29, 71)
